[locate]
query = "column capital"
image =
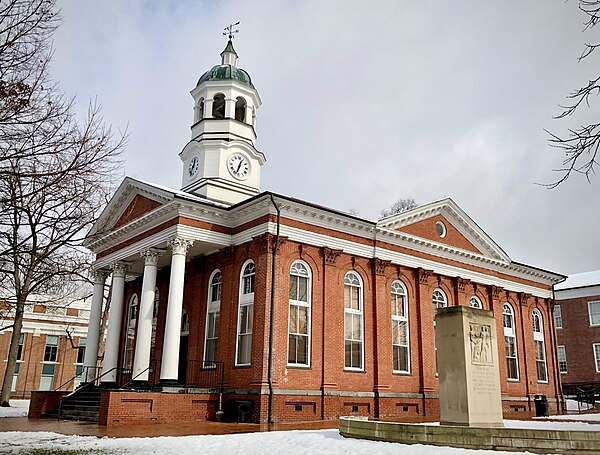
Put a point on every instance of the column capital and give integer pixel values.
(120, 268)
(151, 256)
(180, 245)
(330, 255)
(98, 276)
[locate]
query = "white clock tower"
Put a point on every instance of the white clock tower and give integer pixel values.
(221, 162)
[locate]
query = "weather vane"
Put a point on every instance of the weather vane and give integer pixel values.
(230, 31)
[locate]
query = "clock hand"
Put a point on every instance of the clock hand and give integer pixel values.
(239, 166)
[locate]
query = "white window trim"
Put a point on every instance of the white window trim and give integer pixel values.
(400, 319)
(560, 314)
(308, 305)
(511, 332)
(596, 356)
(590, 312)
(211, 307)
(477, 300)
(248, 299)
(539, 337)
(360, 312)
(564, 351)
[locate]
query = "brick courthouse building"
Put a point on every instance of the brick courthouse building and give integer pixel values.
(304, 312)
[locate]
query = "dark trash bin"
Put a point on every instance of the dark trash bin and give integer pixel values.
(541, 406)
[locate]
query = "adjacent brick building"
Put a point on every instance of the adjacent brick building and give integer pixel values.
(48, 357)
(305, 312)
(577, 319)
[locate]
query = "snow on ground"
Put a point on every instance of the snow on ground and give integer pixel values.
(267, 443)
(18, 408)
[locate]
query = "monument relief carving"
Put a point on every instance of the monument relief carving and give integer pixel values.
(480, 336)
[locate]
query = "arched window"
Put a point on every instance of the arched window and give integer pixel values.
(439, 300)
(401, 352)
(218, 109)
(240, 109)
(353, 322)
(245, 315)
(510, 340)
(540, 349)
(200, 110)
(299, 308)
(132, 311)
(475, 302)
(213, 313)
(154, 317)
(185, 323)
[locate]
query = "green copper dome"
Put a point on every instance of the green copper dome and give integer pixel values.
(226, 72)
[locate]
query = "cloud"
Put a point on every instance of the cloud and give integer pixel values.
(362, 105)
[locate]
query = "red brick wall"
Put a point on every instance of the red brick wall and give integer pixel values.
(578, 338)
(343, 389)
(427, 230)
(126, 408)
(30, 371)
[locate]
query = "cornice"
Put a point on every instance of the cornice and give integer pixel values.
(449, 252)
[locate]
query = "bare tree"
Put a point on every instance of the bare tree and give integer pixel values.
(55, 171)
(401, 205)
(580, 145)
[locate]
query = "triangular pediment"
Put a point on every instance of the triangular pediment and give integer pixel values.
(132, 200)
(445, 223)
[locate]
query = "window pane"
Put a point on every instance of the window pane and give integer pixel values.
(302, 320)
(403, 333)
(395, 332)
(355, 302)
(562, 359)
(211, 348)
(348, 326)
(558, 317)
(293, 319)
(293, 287)
(217, 319)
(356, 327)
(244, 348)
(347, 293)
(303, 289)
(594, 308)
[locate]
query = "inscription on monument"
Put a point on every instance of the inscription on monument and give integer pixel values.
(480, 336)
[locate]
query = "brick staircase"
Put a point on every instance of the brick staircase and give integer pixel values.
(82, 404)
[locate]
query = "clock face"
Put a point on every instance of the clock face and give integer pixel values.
(238, 166)
(193, 166)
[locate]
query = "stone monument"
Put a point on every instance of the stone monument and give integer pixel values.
(469, 378)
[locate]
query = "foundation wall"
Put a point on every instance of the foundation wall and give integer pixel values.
(510, 439)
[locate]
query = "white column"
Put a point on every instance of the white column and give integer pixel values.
(229, 108)
(248, 119)
(170, 353)
(93, 334)
(143, 339)
(111, 352)
(208, 107)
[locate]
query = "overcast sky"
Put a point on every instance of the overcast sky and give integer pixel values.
(363, 103)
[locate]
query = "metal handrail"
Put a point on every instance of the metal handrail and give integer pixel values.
(134, 378)
(87, 384)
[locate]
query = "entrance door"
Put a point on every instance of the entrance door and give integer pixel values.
(183, 349)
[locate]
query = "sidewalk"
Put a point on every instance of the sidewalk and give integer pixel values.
(69, 427)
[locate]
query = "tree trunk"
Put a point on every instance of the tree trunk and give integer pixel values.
(12, 352)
